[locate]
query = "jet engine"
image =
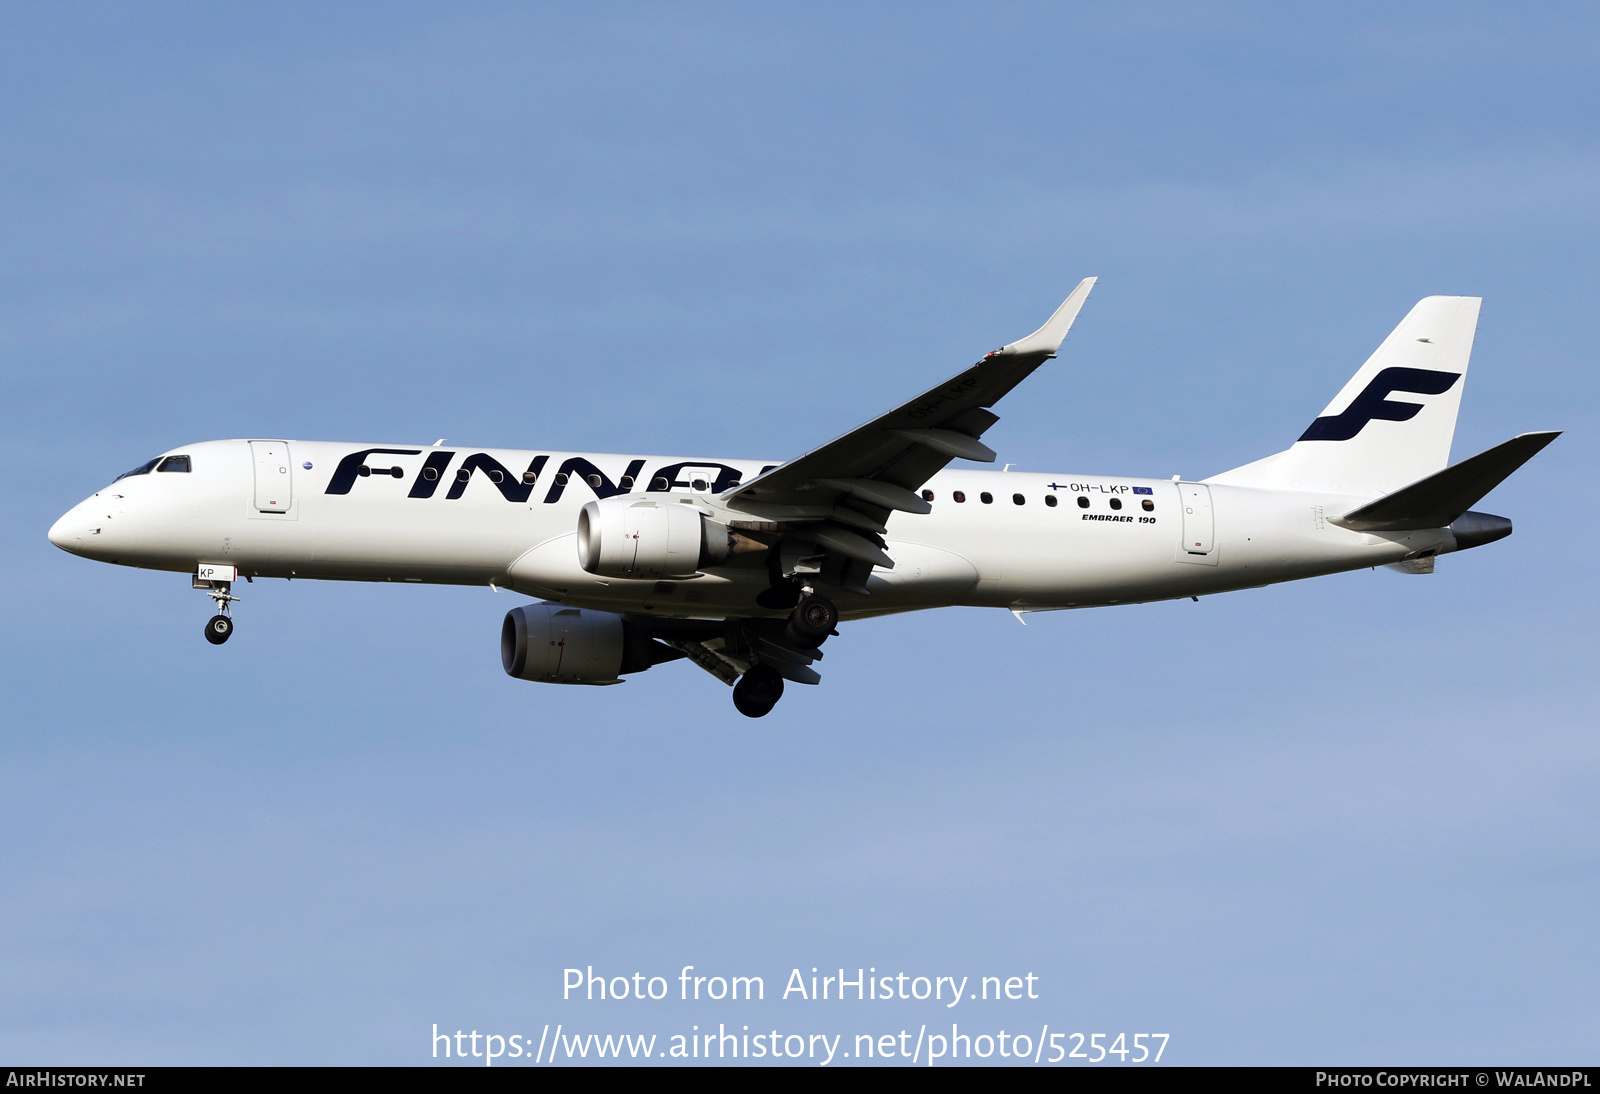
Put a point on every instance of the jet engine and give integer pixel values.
(558, 645)
(649, 538)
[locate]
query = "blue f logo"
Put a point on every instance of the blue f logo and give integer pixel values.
(1373, 402)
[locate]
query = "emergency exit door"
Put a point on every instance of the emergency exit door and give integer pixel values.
(699, 480)
(274, 479)
(1199, 527)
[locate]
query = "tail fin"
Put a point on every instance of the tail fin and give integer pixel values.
(1366, 442)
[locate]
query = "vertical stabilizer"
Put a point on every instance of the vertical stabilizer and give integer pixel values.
(1392, 424)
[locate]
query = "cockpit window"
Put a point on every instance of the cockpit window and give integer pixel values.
(142, 469)
(174, 463)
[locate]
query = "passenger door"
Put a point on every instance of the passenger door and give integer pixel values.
(1199, 526)
(274, 476)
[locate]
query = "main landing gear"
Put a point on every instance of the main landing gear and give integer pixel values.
(758, 691)
(813, 620)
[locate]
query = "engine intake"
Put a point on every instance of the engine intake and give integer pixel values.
(553, 644)
(629, 537)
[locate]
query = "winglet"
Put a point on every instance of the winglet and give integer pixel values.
(1048, 338)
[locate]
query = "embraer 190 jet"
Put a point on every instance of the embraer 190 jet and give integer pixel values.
(746, 567)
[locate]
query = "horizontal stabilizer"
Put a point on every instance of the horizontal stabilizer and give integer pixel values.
(1436, 501)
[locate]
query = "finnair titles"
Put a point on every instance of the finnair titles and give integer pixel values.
(745, 568)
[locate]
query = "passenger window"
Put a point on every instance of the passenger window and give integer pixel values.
(595, 481)
(1018, 499)
(1050, 500)
(561, 479)
(626, 482)
(430, 473)
(986, 497)
(697, 484)
(529, 477)
(1148, 505)
(959, 496)
(494, 476)
(462, 474)
(1116, 503)
(658, 483)
(927, 495)
(142, 469)
(174, 463)
(1083, 502)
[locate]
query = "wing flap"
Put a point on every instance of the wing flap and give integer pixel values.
(885, 495)
(952, 444)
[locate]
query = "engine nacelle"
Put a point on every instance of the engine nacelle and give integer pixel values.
(558, 645)
(649, 538)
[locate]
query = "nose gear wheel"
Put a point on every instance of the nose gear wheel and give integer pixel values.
(219, 628)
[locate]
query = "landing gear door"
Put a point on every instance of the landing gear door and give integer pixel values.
(274, 478)
(1199, 526)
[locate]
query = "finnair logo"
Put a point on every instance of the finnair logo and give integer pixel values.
(707, 476)
(1373, 402)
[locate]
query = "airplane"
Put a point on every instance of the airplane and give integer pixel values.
(746, 567)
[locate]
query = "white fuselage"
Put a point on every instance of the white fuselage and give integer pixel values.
(266, 508)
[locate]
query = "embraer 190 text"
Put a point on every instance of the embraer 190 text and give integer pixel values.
(745, 568)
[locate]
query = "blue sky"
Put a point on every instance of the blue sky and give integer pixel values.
(1352, 820)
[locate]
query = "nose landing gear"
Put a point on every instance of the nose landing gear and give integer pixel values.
(219, 628)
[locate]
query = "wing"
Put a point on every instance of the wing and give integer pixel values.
(836, 498)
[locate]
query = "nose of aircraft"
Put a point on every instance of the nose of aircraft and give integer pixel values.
(67, 533)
